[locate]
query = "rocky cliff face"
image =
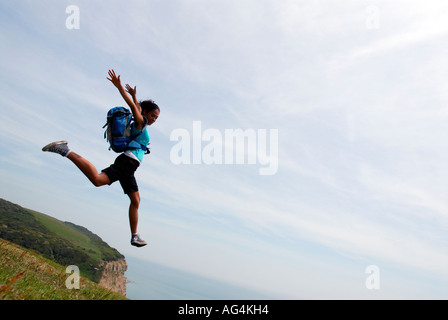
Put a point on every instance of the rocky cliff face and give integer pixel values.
(113, 276)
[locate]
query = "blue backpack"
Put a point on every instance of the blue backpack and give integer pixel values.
(118, 131)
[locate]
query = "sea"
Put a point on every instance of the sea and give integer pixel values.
(152, 281)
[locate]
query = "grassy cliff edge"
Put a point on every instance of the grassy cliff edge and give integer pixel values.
(25, 275)
(34, 245)
(62, 242)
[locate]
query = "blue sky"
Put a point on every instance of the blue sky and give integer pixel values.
(361, 115)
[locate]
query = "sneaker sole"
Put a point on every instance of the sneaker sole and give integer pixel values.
(48, 146)
(136, 244)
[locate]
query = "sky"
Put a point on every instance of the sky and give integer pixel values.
(347, 98)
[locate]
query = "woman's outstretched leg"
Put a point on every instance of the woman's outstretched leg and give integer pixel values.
(89, 170)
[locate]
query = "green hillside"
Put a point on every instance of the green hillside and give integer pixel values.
(25, 275)
(62, 242)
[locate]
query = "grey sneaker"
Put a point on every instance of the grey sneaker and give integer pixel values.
(137, 241)
(60, 147)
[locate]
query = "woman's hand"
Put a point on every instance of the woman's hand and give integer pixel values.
(131, 91)
(114, 79)
(134, 105)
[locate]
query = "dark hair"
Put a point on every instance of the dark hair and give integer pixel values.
(149, 105)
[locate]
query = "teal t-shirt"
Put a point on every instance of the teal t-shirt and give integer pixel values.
(142, 138)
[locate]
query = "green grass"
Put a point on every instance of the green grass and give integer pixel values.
(62, 242)
(25, 275)
(68, 233)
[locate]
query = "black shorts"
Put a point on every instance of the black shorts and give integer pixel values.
(123, 170)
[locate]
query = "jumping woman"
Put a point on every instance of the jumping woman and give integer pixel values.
(145, 113)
